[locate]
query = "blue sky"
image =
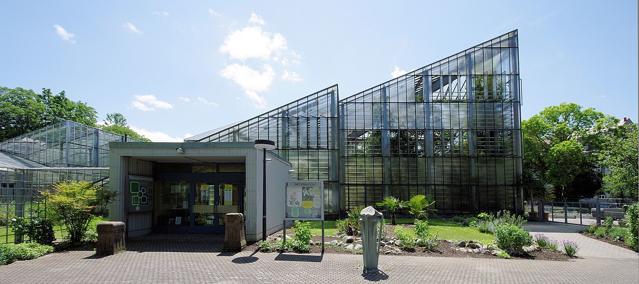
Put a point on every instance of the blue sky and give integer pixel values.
(178, 68)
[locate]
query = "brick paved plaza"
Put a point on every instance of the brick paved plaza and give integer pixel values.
(159, 260)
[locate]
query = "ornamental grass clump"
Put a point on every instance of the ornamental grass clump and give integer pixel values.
(570, 248)
(542, 241)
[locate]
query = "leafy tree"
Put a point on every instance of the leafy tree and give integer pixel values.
(116, 123)
(116, 119)
(392, 205)
(20, 112)
(23, 110)
(620, 159)
(74, 203)
(564, 160)
(554, 125)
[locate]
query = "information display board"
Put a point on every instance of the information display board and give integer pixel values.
(304, 200)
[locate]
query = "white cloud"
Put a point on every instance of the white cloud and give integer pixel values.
(64, 34)
(256, 20)
(291, 76)
(149, 103)
(159, 136)
(207, 102)
(161, 13)
(185, 99)
(397, 72)
(253, 42)
(250, 80)
(131, 28)
(214, 13)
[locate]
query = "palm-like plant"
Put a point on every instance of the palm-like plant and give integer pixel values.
(418, 206)
(392, 205)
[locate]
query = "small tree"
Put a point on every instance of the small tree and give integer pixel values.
(74, 203)
(392, 205)
(418, 206)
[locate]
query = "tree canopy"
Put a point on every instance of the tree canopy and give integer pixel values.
(116, 123)
(620, 161)
(563, 146)
(23, 110)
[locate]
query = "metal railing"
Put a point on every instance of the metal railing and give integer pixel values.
(582, 212)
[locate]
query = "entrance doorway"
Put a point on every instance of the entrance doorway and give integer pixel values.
(196, 202)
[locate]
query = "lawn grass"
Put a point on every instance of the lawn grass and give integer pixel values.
(330, 228)
(444, 229)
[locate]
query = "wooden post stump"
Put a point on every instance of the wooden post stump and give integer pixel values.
(234, 236)
(110, 238)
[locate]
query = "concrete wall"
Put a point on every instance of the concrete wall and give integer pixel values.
(277, 174)
(124, 159)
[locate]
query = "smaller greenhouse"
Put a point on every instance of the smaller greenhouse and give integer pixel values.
(34, 161)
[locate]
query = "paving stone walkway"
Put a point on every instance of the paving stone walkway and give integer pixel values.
(187, 261)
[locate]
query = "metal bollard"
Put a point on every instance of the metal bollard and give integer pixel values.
(370, 219)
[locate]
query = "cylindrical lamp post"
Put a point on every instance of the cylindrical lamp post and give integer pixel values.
(264, 145)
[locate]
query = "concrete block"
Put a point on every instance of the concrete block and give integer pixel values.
(234, 235)
(110, 238)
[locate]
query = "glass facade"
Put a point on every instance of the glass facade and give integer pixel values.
(449, 130)
(33, 162)
(63, 144)
(305, 133)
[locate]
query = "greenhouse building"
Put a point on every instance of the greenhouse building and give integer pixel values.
(449, 130)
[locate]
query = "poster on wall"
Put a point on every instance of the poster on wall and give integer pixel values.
(304, 200)
(140, 194)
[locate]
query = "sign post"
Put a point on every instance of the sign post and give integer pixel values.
(304, 200)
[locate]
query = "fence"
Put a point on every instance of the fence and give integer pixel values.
(583, 211)
(30, 207)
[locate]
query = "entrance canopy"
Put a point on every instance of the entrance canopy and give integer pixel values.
(189, 187)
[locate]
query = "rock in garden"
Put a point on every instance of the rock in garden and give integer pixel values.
(461, 244)
(349, 239)
(350, 247)
(357, 247)
(473, 245)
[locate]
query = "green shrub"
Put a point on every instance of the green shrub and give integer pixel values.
(421, 228)
(483, 216)
(428, 242)
(632, 221)
(406, 237)
(512, 238)
(74, 203)
(282, 246)
(265, 246)
(12, 252)
(350, 225)
(590, 229)
(607, 224)
(503, 254)
(617, 233)
(302, 239)
(570, 248)
(37, 229)
(600, 232)
(470, 222)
